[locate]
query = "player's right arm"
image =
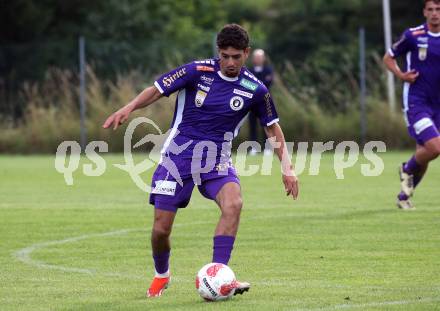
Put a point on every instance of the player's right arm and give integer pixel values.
(403, 46)
(145, 98)
(167, 84)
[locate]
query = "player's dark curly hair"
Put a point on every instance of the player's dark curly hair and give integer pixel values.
(435, 1)
(233, 35)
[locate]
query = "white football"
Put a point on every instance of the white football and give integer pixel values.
(215, 281)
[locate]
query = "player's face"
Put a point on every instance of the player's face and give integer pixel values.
(231, 61)
(432, 14)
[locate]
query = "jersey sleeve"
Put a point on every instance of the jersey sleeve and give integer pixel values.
(264, 107)
(176, 79)
(403, 46)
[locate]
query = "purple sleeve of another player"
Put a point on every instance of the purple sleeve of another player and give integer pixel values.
(176, 79)
(403, 46)
(264, 107)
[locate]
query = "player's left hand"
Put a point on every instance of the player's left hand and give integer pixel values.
(291, 186)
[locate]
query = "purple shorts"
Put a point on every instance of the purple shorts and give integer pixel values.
(422, 119)
(168, 194)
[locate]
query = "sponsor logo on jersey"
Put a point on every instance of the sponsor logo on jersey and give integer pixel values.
(268, 105)
(422, 39)
(203, 87)
(207, 80)
(423, 51)
(204, 68)
(236, 103)
(165, 187)
(422, 125)
(206, 61)
(248, 84)
(418, 32)
(243, 93)
(200, 98)
(167, 81)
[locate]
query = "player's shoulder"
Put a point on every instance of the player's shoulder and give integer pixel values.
(249, 81)
(414, 32)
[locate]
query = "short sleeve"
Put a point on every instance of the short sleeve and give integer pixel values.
(264, 107)
(403, 46)
(176, 79)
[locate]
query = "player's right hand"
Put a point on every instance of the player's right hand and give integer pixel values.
(291, 185)
(409, 76)
(117, 118)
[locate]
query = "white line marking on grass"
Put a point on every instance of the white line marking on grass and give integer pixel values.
(24, 255)
(348, 306)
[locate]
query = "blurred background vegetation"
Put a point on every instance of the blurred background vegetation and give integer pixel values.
(313, 46)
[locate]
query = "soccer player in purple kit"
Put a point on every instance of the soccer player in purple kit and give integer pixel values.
(214, 98)
(421, 96)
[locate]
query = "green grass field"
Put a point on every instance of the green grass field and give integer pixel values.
(342, 246)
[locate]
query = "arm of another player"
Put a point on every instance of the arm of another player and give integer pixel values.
(289, 178)
(144, 99)
(391, 64)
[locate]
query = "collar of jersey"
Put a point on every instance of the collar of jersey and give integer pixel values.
(226, 78)
(434, 34)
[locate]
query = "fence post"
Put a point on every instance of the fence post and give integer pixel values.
(387, 34)
(363, 88)
(82, 92)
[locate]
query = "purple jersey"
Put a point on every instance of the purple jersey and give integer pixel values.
(209, 104)
(422, 50)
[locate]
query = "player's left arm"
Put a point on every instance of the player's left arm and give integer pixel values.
(289, 178)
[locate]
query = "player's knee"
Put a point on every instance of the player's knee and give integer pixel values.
(161, 231)
(434, 150)
(233, 207)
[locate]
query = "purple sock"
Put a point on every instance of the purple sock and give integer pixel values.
(417, 179)
(402, 196)
(161, 262)
(412, 167)
(223, 245)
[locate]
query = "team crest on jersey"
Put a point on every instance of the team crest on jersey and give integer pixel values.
(236, 103)
(423, 51)
(200, 98)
